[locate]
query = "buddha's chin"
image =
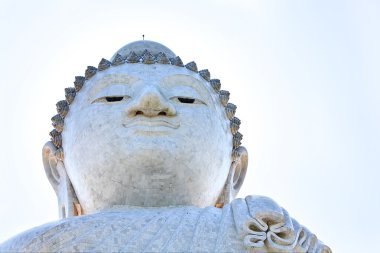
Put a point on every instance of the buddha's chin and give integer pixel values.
(148, 172)
(154, 178)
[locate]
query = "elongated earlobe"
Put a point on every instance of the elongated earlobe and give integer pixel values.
(235, 177)
(68, 203)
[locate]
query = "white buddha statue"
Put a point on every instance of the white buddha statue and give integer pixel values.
(146, 157)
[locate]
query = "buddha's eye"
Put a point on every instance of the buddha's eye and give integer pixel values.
(187, 100)
(110, 99)
(114, 99)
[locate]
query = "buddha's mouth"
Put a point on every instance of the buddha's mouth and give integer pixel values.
(152, 122)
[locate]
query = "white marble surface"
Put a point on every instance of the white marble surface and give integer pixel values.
(115, 155)
(253, 224)
(156, 137)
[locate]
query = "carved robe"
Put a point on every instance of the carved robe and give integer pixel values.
(253, 224)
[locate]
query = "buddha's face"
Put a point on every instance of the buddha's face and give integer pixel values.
(146, 135)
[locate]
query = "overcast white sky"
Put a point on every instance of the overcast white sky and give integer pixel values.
(304, 75)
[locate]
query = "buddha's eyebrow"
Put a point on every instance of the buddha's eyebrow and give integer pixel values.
(185, 80)
(110, 79)
(115, 78)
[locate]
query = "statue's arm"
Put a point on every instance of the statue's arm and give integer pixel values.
(266, 227)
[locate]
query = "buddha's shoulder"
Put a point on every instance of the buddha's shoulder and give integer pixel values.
(244, 225)
(171, 229)
(20, 242)
(31, 239)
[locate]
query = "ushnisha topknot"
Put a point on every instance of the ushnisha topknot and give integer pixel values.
(145, 57)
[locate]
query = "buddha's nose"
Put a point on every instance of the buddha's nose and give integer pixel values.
(151, 103)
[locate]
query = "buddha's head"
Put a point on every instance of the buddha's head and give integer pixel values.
(144, 130)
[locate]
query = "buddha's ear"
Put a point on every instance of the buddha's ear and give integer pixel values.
(239, 170)
(56, 173)
(235, 177)
(50, 162)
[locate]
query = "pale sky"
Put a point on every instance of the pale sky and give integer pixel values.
(304, 75)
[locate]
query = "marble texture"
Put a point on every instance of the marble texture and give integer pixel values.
(253, 224)
(147, 155)
(151, 142)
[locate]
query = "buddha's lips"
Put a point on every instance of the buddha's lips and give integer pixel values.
(152, 122)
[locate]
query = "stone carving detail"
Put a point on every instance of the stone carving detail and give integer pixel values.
(235, 124)
(59, 154)
(254, 224)
(146, 58)
(176, 61)
(118, 60)
(230, 111)
(56, 138)
(62, 108)
(205, 74)
(57, 122)
(161, 58)
(236, 140)
(235, 154)
(192, 66)
(181, 210)
(271, 229)
(224, 97)
(104, 64)
(90, 72)
(70, 94)
(215, 83)
(78, 83)
(133, 58)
